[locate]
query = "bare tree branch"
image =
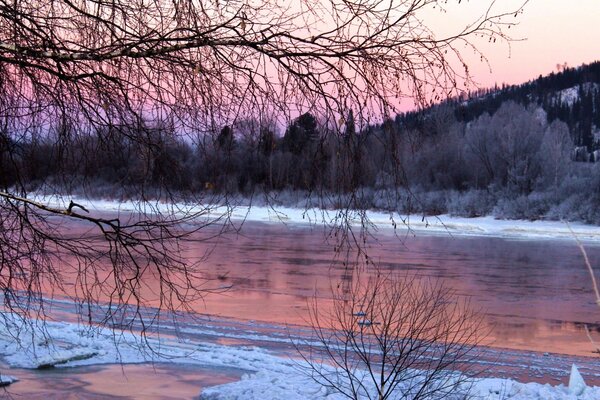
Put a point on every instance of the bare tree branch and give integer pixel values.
(135, 74)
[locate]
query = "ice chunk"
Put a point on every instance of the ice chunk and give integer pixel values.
(63, 357)
(6, 380)
(576, 382)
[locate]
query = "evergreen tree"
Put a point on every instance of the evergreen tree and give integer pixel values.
(225, 140)
(301, 133)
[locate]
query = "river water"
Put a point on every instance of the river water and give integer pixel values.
(535, 295)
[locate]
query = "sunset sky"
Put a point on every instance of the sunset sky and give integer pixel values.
(556, 31)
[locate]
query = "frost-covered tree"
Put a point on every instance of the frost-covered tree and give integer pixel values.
(555, 154)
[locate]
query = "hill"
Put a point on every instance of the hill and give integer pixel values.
(571, 96)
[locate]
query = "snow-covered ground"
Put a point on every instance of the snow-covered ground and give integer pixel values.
(570, 95)
(25, 345)
(381, 221)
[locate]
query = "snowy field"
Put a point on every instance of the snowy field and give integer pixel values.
(375, 220)
(63, 345)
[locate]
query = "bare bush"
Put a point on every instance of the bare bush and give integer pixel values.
(391, 337)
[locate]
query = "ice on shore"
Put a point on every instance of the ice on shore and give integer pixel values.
(6, 380)
(383, 221)
(62, 356)
(268, 376)
(283, 385)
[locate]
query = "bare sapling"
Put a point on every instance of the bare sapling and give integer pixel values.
(393, 337)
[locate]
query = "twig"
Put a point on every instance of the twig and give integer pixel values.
(587, 263)
(587, 332)
(594, 284)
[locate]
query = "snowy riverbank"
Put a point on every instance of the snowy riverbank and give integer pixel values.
(381, 221)
(268, 376)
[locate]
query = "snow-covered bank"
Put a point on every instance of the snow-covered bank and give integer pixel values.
(24, 344)
(382, 221)
(269, 386)
(268, 376)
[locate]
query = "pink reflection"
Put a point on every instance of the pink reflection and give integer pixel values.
(535, 295)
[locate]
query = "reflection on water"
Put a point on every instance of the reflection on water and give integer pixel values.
(536, 295)
(149, 382)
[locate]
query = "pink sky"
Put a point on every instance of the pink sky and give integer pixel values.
(556, 31)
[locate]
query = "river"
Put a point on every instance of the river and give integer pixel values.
(536, 296)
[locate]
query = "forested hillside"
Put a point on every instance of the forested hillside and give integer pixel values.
(571, 96)
(523, 151)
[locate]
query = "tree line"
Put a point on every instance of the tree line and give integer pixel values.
(571, 95)
(513, 163)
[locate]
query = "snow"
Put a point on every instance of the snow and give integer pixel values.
(29, 344)
(381, 221)
(500, 389)
(569, 96)
(266, 386)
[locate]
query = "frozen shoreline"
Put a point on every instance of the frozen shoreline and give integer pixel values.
(268, 377)
(384, 223)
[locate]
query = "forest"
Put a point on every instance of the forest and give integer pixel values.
(523, 152)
